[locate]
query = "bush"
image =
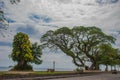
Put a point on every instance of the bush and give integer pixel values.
(22, 68)
(79, 70)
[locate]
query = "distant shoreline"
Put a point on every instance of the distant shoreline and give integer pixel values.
(5, 68)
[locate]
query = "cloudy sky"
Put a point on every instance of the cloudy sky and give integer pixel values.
(35, 17)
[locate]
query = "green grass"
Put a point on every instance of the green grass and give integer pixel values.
(17, 74)
(50, 73)
(34, 72)
(2, 72)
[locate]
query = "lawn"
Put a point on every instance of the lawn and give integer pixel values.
(56, 72)
(2, 73)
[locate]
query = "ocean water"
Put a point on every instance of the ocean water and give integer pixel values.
(8, 68)
(5, 68)
(36, 69)
(57, 69)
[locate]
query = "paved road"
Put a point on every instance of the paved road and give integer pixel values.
(104, 76)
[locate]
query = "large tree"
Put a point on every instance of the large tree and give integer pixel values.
(88, 40)
(108, 56)
(22, 52)
(80, 43)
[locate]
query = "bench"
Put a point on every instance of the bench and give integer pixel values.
(50, 70)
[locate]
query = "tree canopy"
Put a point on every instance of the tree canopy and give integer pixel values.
(36, 52)
(80, 43)
(108, 56)
(24, 52)
(21, 52)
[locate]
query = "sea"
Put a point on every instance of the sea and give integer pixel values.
(5, 68)
(37, 69)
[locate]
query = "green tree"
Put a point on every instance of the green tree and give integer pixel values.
(36, 52)
(88, 41)
(78, 43)
(22, 52)
(108, 56)
(63, 39)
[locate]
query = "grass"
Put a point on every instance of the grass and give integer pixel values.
(33, 72)
(2, 72)
(50, 73)
(18, 74)
(25, 74)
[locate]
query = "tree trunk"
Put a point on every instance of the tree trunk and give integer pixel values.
(106, 69)
(94, 66)
(22, 63)
(111, 67)
(97, 67)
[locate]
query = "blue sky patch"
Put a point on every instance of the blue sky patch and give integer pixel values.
(10, 20)
(36, 18)
(50, 25)
(5, 43)
(118, 32)
(1, 4)
(114, 1)
(106, 1)
(28, 30)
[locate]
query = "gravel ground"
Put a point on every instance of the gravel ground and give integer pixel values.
(104, 76)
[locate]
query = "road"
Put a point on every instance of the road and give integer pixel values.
(104, 76)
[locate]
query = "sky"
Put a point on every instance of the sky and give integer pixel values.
(35, 17)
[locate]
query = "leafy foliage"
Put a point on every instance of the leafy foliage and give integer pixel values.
(108, 56)
(3, 22)
(21, 52)
(80, 43)
(36, 52)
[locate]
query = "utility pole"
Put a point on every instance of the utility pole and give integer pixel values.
(54, 65)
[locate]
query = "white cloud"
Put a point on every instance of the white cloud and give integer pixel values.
(73, 13)
(5, 51)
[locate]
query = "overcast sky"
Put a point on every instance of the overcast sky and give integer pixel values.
(35, 17)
